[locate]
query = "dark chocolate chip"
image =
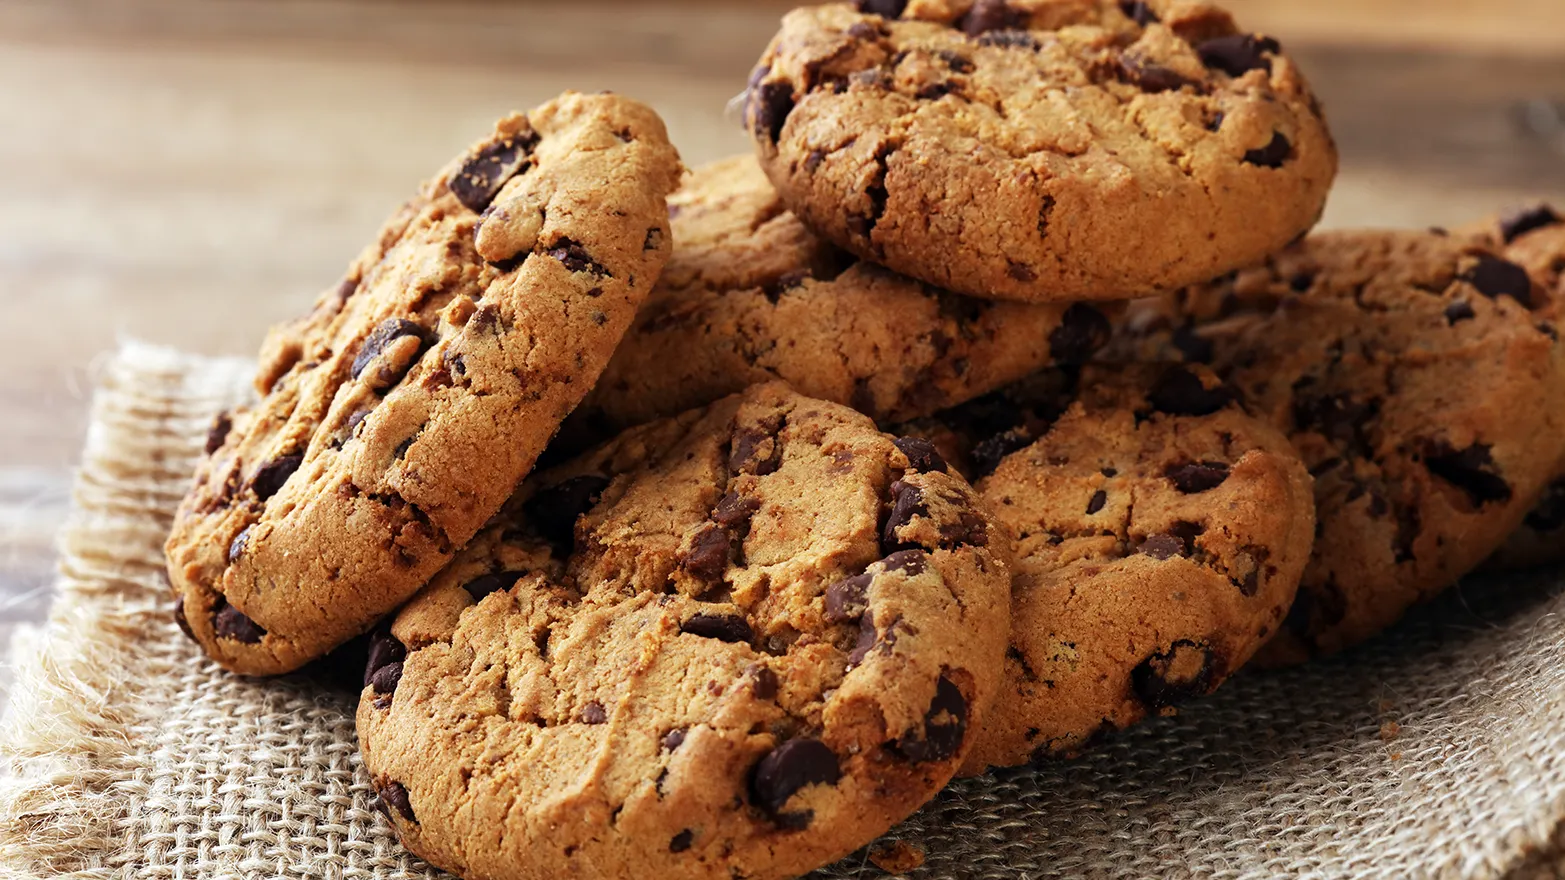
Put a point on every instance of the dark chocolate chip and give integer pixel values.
(907, 501)
(219, 432)
(1164, 679)
(1010, 39)
(957, 62)
(386, 678)
(1273, 155)
(789, 767)
(1181, 393)
(1237, 54)
(231, 623)
(921, 454)
(1196, 348)
(394, 796)
(969, 529)
(270, 478)
(723, 627)
(1339, 418)
(673, 739)
(991, 15)
(734, 511)
(1458, 311)
(1138, 11)
(707, 557)
(384, 650)
(747, 447)
(553, 512)
(1301, 282)
(945, 726)
(1518, 223)
(1099, 498)
(576, 258)
(1082, 331)
(1549, 514)
(770, 105)
(681, 841)
(385, 333)
(1494, 277)
(594, 713)
(988, 454)
(910, 562)
(179, 618)
(488, 168)
(1472, 470)
(763, 681)
(236, 547)
(484, 585)
(1199, 476)
(1162, 547)
(869, 636)
(882, 8)
(846, 599)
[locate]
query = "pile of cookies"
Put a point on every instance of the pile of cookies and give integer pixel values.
(707, 525)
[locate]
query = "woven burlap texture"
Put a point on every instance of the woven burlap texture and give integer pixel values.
(1438, 751)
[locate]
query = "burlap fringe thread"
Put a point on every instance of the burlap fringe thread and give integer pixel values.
(1436, 752)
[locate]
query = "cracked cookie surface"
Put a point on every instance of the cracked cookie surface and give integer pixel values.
(1160, 534)
(738, 643)
(1041, 150)
(750, 295)
(398, 416)
(1421, 376)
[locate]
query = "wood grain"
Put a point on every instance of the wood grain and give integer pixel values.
(190, 172)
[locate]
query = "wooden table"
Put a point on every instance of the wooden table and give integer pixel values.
(189, 172)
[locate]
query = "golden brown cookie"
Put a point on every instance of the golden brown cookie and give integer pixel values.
(1160, 535)
(739, 643)
(397, 417)
(1041, 150)
(750, 296)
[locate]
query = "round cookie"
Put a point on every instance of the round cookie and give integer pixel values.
(750, 295)
(1421, 377)
(738, 643)
(1041, 150)
(398, 416)
(1160, 535)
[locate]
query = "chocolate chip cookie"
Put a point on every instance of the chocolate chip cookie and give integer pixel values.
(750, 295)
(738, 643)
(1421, 376)
(397, 417)
(1041, 150)
(1160, 535)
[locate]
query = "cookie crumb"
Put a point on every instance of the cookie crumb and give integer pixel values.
(896, 856)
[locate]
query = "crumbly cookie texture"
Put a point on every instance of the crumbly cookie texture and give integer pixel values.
(1421, 376)
(1160, 534)
(1041, 150)
(750, 295)
(738, 643)
(400, 414)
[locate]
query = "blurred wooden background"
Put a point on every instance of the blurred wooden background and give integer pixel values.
(190, 171)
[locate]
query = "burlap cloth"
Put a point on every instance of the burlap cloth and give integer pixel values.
(1437, 751)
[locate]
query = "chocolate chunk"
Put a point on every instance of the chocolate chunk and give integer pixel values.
(681, 841)
(907, 502)
(270, 478)
(1169, 678)
(1195, 477)
(488, 168)
(910, 562)
(1010, 39)
(231, 623)
(763, 681)
(1162, 547)
(1459, 311)
(483, 585)
(747, 449)
(991, 15)
(673, 739)
(734, 511)
(957, 62)
(594, 713)
(384, 650)
(921, 454)
(236, 547)
(393, 796)
(1301, 282)
(1518, 223)
(553, 512)
(723, 627)
(1339, 418)
(1494, 277)
(1138, 11)
(770, 105)
(1237, 54)
(969, 529)
(1181, 393)
(1099, 498)
(945, 726)
(1273, 155)
(576, 258)
(1549, 514)
(988, 454)
(1472, 470)
(1409, 526)
(846, 599)
(707, 557)
(386, 678)
(789, 767)
(219, 432)
(1082, 331)
(869, 636)
(179, 618)
(385, 333)
(882, 8)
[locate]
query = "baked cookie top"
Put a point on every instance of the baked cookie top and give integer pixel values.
(398, 416)
(1421, 376)
(750, 295)
(1041, 150)
(741, 642)
(1160, 534)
